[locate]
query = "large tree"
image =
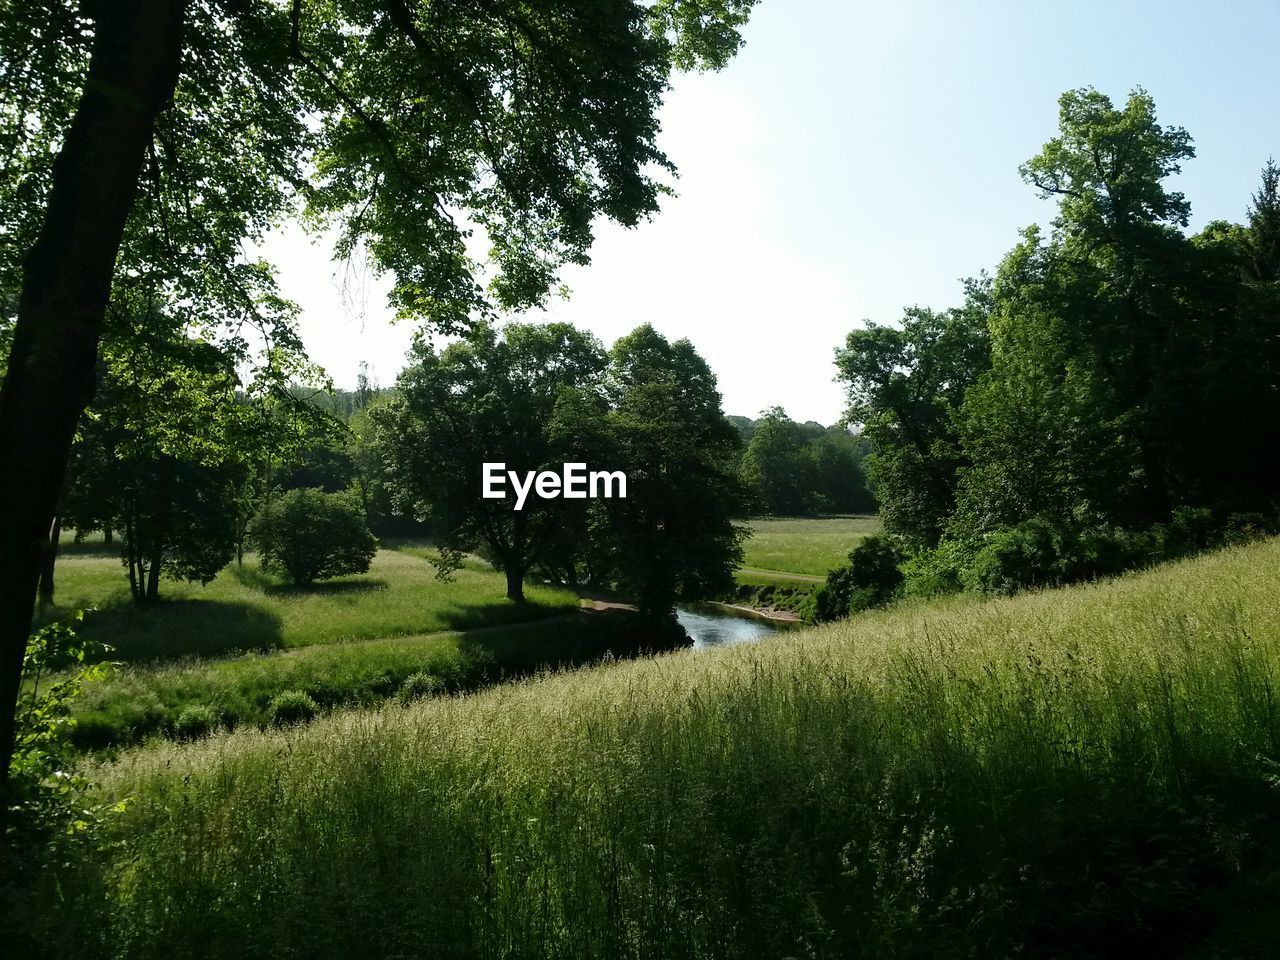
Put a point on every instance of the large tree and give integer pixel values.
(492, 397)
(404, 124)
(905, 386)
(672, 537)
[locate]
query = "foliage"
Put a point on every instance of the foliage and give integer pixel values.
(170, 455)
(871, 579)
(291, 706)
(49, 794)
(490, 397)
(418, 685)
(1106, 400)
(794, 469)
(311, 535)
(672, 536)
(1073, 773)
(905, 388)
(196, 720)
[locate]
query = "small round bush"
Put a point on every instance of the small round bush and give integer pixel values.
(420, 684)
(310, 535)
(291, 706)
(196, 720)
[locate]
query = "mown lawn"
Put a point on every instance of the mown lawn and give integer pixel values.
(246, 610)
(802, 545)
(1086, 772)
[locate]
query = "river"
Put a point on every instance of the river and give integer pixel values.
(715, 626)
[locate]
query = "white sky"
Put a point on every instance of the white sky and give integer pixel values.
(855, 159)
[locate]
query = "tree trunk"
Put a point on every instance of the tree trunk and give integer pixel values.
(161, 506)
(107, 536)
(45, 591)
(515, 584)
(66, 283)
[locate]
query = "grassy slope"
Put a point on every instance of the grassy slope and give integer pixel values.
(1087, 772)
(805, 545)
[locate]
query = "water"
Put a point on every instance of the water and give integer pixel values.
(712, 626)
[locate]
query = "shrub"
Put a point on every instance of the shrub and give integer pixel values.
(196, 720)
(311, 535)
(1191, 530)
(291, 706)
(933, 573)
(871, 579)
(418, 685)
(1009, 560)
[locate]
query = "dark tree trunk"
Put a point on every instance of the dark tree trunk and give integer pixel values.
(107, 536)
(515, 583)
(45, 591)
(66, 282)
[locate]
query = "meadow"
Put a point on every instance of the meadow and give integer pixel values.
(244, 609)
(807, 546)
(231, 646)
(1081, 772)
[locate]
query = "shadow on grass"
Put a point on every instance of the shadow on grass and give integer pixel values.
(89, 548)
(254, 577)
(570, 640)
(500, 613)
(172, 629)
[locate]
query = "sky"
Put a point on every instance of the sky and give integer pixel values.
(854, 159)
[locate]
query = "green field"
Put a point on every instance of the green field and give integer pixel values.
(233, 645)
(808, 546)
(1082, 772)
(243, 609)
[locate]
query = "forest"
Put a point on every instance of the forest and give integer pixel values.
(983, 667)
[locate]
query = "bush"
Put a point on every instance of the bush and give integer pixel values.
(1191, 530)
(311, 535)
(934, 573)
(871, 579)
(291, 706)
(196, 720)
(418, 685)
(1009, 560)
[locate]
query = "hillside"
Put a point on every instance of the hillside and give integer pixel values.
(1082, 772)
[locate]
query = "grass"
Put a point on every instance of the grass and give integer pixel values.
(231, 646)
(1076, 773)
(246, 610)
(802, 545)
(140, 700)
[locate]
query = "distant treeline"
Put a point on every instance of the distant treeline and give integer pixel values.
(791, 469)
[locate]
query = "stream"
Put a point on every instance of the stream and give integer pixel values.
(715, 626)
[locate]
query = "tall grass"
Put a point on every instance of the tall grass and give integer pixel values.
(1084, 772)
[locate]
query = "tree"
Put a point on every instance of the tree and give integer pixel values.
(164, 454)
(493, 397)
(775, 465)
(530, 120)
(836, 474)
(1130, 373)
(311, 535)
(905, 387)
(673, 536)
